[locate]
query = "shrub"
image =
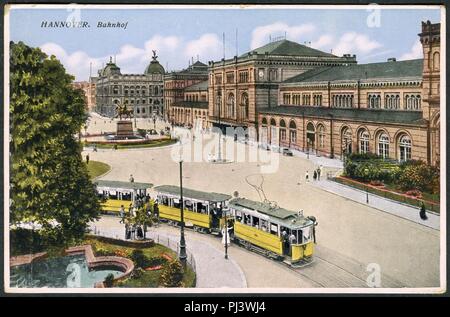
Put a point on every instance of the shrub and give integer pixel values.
(139, 259)
(172, 274)
(137, 273)
(109, 280)
(419, 176)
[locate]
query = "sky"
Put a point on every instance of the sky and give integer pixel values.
(178, 35)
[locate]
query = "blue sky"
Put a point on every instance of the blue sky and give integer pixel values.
(179, 34)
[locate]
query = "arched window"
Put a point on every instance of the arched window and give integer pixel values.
(230, 105)
(264, 121)
(383, 145)
(292, 133)
(404, 148)
(436, 61)
(282, 130)
(273, 122)
(244, 105)
(346, 141)
(321, 135)
(363, 141)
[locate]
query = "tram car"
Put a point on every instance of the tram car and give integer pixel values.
(203, 210)
(115, 194)
(273, 231)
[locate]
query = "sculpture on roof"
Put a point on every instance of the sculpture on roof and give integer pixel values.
(154, 55)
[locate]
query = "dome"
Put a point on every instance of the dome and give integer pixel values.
(154, 67)
(110, 69)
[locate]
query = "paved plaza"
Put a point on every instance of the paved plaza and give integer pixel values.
(406, 251)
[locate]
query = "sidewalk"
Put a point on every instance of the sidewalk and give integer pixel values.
(212, 270)
(383, 204)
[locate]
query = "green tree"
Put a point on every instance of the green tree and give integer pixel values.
(50, 184)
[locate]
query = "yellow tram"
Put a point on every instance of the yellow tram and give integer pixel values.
(202, 209)
(116, 194)
(273, 231)
(262, 227)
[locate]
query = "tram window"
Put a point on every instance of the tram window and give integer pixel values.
(176, 203)
(201, 208)
(273, 228)
(188, 205)
(264, 224)
(247, 220)
(164, 200)
(113, 195)
(306, 234)
(126, 196)
(255, 222)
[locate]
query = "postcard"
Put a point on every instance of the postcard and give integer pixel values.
(224, 149)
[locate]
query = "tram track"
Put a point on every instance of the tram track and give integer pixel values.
(325, 273)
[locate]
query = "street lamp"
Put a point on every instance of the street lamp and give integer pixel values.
(366, 172)
(226, 230)
(183, 255)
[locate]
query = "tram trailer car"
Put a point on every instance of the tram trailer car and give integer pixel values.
(203, 210)
(116, 194)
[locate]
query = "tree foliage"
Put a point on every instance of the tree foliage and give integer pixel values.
(50, 184)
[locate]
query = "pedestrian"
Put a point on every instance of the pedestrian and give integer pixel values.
(95, 147)
(122, 214)
(423, 212)
(315, 175)
(87, 159)
(131, 178)
(318, 173)
(307, 176)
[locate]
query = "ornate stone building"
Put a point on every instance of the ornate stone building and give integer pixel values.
(176, 82)
(144, 93)
(389, 108)
(88, 88)
(239, 87)
(193, 109)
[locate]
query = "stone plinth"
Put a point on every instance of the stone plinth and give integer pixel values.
(124, 129)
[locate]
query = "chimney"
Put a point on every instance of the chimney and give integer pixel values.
(391, 59)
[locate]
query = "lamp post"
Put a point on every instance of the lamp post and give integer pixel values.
(366, 171)
(182, 240)
(226, 231)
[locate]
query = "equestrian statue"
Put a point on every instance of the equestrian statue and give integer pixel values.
(122, 110)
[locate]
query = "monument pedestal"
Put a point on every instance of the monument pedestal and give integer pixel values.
(124, 129)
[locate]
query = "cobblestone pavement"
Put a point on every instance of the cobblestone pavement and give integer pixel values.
(404, 250)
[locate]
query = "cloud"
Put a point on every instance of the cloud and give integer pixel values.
(323, 41)
(207, 45)
(76, 64)
(260, 35)
(415, 52)
(355, 43)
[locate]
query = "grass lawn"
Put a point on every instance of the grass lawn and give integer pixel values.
(96, 168)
